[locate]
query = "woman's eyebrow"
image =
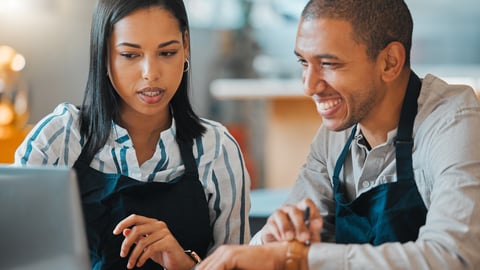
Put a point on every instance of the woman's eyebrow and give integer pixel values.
(161, 45)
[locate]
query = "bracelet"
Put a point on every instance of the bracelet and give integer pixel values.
(193, 255)
(296, 259)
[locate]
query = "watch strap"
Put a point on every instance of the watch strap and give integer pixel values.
(193, 255)
(296, 258)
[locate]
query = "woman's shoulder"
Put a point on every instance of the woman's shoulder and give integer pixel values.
(216, 136)
(63, 111)
(64, 116)
(211, 124)
(214, 129)
(47, 142)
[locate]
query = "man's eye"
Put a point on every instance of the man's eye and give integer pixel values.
(329, 65)
(302, 62)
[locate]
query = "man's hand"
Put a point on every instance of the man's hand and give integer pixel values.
(242, 257)
(288, 223)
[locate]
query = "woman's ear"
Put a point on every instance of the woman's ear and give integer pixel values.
(186, 44)
(393, 60)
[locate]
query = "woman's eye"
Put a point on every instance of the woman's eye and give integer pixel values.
(129, 55)
(170, 53)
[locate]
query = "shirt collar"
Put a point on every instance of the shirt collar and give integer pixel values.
(121, 137)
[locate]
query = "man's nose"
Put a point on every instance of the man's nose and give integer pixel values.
(313, 81)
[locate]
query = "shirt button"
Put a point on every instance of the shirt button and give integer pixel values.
(366, 184)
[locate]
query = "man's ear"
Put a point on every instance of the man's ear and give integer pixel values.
(392, 60)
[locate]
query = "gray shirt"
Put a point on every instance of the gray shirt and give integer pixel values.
(446, 163)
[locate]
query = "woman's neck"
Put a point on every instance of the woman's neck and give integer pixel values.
(145, 133)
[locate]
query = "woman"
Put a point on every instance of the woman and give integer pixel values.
(155, 179)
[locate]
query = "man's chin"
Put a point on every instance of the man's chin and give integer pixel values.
(335, 125)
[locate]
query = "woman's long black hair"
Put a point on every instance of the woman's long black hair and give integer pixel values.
(101, 102)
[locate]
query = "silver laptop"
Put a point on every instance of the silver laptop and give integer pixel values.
(41, 224)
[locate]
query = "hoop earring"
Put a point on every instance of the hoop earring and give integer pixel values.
(186, 66)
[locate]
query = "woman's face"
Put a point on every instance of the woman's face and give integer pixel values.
(146, 60)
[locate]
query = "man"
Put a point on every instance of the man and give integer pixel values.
(392, 180)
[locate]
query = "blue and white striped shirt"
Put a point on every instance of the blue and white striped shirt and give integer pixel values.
(56, 140)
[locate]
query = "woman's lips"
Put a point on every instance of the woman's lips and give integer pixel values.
(151, 95)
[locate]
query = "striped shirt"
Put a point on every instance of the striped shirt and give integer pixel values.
(56, 140)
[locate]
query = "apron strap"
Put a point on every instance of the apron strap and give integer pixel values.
(404, 141)
(188, 159)
(341, 160)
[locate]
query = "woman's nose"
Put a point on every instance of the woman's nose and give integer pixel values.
(150, 70)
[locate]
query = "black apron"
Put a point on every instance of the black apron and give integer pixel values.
(391, 212)
(109, 198)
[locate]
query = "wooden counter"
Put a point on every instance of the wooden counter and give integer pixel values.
(10, 139)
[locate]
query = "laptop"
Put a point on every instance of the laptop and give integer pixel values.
(41, 224)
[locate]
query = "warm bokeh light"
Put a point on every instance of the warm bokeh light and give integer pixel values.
(10, 59)
(7, 115)
(14, 92)
(18, 62)
(6, 54)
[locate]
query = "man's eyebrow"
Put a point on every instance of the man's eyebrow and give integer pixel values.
(161, 45)
(327, 56)
(319, 56)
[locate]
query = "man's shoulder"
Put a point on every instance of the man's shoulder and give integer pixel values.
(437, 90)
(442, 106)
(438, 97)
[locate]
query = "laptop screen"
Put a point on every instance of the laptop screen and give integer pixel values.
(41, 219)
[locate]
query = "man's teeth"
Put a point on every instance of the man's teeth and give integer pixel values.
(325, 105)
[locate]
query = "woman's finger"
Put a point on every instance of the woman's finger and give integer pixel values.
(130, 221)
(138, 233)
(143, 236)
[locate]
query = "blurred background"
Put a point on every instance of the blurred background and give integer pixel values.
(244, 72)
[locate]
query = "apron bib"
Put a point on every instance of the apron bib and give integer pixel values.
(109, 198)
(391, 212)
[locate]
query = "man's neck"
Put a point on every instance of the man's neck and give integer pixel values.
(386, 115)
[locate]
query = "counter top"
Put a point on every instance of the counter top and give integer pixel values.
(265, 201)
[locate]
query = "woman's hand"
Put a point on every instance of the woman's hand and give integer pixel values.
(288, 223)
(148, 238)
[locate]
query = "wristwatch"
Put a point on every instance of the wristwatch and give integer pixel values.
(193, 255)
(296, 256)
